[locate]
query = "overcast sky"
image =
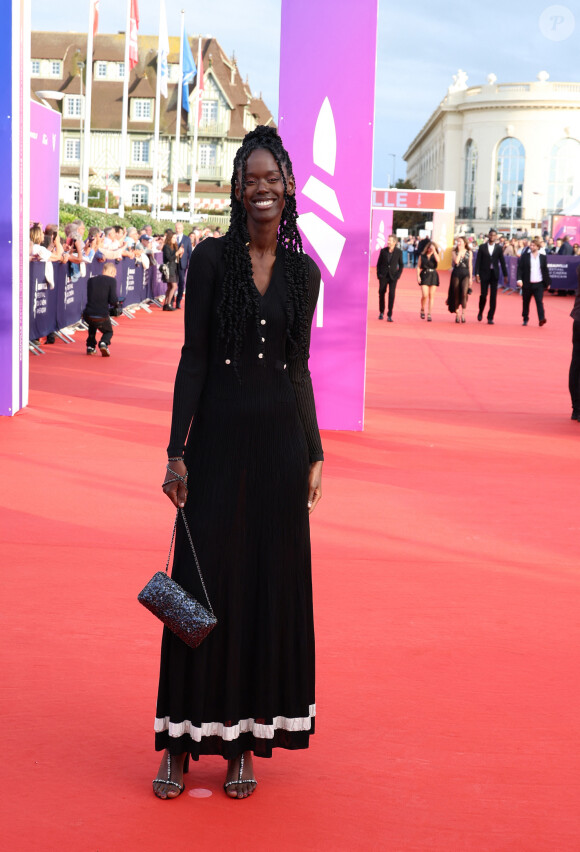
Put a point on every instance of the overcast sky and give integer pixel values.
(420, 46)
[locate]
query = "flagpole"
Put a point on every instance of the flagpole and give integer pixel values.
(123, 152)
(195, 133)
(84, 195)
(178, 120)
(155, 204)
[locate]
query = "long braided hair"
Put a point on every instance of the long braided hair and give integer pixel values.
(240, 299)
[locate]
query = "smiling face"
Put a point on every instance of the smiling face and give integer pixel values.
(264, 191)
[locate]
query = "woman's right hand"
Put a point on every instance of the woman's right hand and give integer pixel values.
(176, 491)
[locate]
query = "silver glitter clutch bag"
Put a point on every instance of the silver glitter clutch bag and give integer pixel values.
(175, 607)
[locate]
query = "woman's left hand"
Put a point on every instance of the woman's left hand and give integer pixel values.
(314, 486)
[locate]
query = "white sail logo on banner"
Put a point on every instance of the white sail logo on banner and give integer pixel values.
(324, 239)
(380, 242)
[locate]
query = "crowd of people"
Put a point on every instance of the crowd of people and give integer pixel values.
(109, 246)
(424, 255)
(412, 246)
(112, 243)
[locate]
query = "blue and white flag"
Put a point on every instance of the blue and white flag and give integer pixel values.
(189, 71)
(163, 51)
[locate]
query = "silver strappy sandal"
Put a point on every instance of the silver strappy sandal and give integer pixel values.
(180, 787)
(240, 780)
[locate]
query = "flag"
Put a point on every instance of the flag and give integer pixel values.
(133, 31)
(95, 16)
(189, 71)
(163, 51)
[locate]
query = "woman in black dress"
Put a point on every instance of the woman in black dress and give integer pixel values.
(254, 459)
(461, 279)
(170, 260)
(428, 277)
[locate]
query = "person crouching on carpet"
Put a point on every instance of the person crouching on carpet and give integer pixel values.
(101, 293)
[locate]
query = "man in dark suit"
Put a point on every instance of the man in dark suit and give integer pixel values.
(566, 248)
(489, 258)
(389, 269)
(184, 250)
(533, 278)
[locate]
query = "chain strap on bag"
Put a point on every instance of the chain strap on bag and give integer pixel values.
(179, 611)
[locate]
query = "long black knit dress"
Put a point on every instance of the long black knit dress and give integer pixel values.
(250, 685)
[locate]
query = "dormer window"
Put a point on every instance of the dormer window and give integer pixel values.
(73, 106)
(141, 109)
(101, 70)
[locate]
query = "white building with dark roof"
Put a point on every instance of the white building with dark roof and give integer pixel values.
(505, 148)
(229, 111)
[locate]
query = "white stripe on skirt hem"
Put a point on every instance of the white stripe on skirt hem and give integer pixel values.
(232, 732)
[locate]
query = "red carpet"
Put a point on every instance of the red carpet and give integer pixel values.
(447, 595)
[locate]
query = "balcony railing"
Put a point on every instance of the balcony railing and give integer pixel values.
(505, 212)
(211, 173)
(467, 213)
(213, 128)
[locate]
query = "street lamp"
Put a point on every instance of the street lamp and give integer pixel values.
(82, 199)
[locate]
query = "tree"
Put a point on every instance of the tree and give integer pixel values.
(403, 218)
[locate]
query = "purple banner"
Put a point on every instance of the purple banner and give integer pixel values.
(566, 226)
(44, 164)
(71, 293)
(14, 156)
(326, 123)
(382, 228)
(43, 300)
(562, 269)
(6, 257)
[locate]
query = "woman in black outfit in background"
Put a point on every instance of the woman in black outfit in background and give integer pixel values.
(461, 279)
(428, 277)
(254, 459)
(170, 260)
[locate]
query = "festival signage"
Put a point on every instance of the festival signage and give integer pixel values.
(409, 199)
(563, 271)
(566, 226)
(381, 229)
(44, 164)
(326, 123)
(43, 301)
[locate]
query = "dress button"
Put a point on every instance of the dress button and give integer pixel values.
(263, 340)
(228, 361)
(263, 322)
(284, 366)
(260, 355)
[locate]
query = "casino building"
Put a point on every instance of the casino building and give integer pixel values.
(229, 110)
(511, 151)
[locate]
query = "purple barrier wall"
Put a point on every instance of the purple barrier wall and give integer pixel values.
(44, 164)
(326, 123)
(62, 306)
(563, 272)
(562, 269)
